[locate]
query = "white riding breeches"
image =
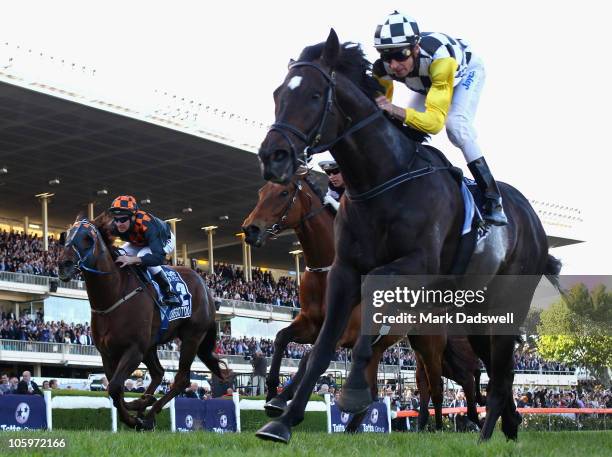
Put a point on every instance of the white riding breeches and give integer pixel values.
(460, 120)
(138, 251)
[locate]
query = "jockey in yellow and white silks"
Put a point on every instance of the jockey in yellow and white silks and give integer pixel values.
(448, 78)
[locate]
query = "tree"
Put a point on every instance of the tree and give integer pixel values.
(577, 330)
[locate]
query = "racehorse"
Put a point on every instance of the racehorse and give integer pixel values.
(298, 205)
(125, 320)
(402, 215)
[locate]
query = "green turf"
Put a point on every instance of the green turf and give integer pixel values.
(101, 444)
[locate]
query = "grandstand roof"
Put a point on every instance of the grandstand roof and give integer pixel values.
(88, 149)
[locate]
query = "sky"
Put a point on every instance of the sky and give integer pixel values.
(542, 119)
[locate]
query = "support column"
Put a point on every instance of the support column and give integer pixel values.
(26, 225)
(90, 211)
(296, 255)
(37, 370)
(173, 222)
(250, 265)
(210, 230)
(185, 256)
(44, 200)
(245, 265)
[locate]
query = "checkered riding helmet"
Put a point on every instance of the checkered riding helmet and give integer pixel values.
(398, 31)
(124, 204)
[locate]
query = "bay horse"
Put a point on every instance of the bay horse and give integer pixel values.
(299, 205)
(401, 215)
(125, 320)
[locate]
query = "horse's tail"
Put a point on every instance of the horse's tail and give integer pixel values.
(553, 268)
(206, 353)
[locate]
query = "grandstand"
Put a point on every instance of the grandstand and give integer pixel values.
(67, 151)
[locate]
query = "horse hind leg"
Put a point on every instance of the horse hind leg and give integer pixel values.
(189, 347)
(500, 383)
(206, 353)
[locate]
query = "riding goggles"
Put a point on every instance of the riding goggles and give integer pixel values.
(399, 55)
(121, 219)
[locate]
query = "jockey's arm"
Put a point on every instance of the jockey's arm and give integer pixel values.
(438, 99)
(157, 255)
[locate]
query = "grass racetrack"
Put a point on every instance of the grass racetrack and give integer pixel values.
(129, 443)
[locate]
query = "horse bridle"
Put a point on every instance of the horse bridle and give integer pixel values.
(278, 227)
(81, 264)
(313, 138)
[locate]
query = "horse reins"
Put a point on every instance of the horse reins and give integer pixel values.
(313, 139)
(81, 265)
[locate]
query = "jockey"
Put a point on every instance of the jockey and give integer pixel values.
(336, 183)
(449, 79)
(148, 240)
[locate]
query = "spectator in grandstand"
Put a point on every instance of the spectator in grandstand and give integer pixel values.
(5, 386)
(53, 384)
(129, 386)
(45, 385)
(147, 241)
(323, 390)
(192, 391)
(31, 386)
(260, 368)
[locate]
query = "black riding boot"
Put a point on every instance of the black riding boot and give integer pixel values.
(493, 210)
(170, 297)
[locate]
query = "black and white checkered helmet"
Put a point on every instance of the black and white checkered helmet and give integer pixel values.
(397, 31)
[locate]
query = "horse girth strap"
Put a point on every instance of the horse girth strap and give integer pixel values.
(394, 182)
(118, 302)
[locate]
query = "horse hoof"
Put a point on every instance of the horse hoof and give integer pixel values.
(275, 407)
(354, 401)
(274, 431)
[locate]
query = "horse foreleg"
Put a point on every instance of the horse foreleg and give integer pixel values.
(342, 294)
(300, 331)
(157, 373)
(277, 405)
(127, 364)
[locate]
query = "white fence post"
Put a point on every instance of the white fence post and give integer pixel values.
(172, 416)
(236, 399)
(48, 409)
(387, 402)
(113, 416)
(328, 407)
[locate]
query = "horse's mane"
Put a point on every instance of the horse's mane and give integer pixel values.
(353, 64)
(103, 224)
(313, 185)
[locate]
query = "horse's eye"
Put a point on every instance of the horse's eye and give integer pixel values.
(316, 96)
(284, 193)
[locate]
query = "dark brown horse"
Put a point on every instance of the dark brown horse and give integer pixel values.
(125, 321)
(403, 216)
(298, 206)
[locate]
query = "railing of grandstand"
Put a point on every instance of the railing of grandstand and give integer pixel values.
(77, 349)
(262, 307)
(24, 278)
(38, 280)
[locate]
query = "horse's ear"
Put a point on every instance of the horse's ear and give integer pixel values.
(80, 217)
(302, 171)
(332, 49)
